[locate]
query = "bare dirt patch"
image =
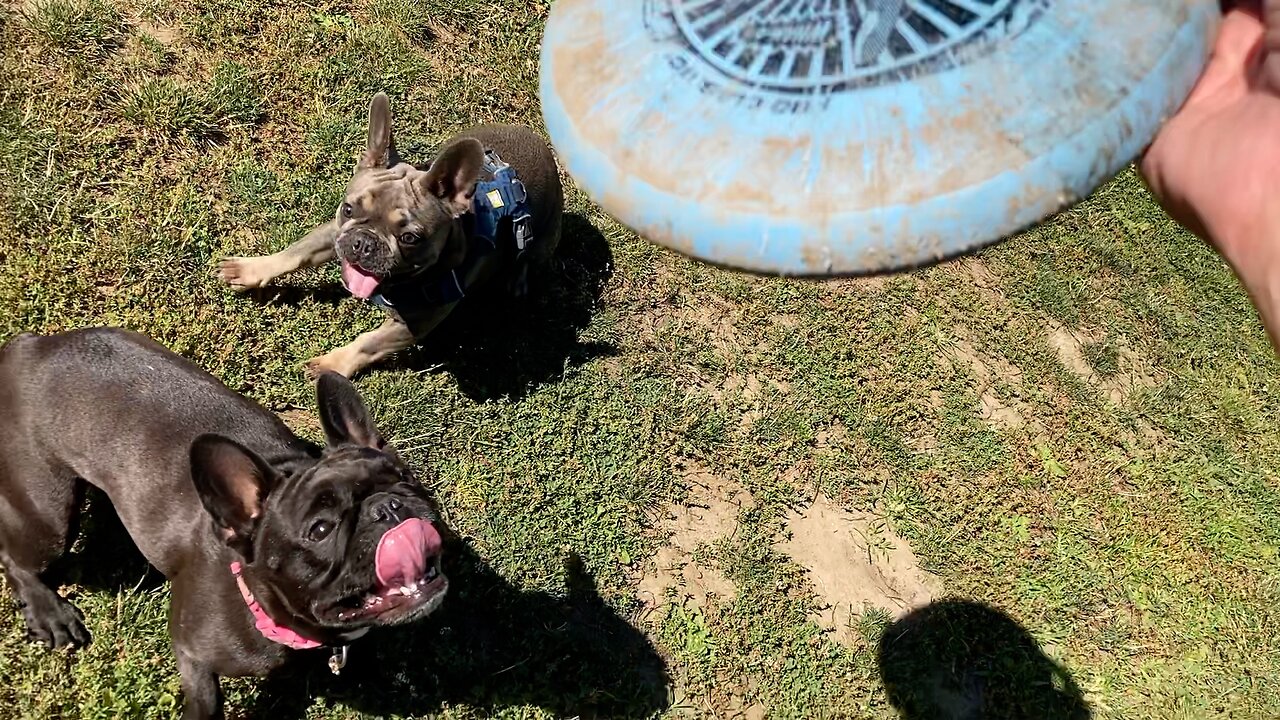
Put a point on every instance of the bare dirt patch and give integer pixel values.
(855, 561)
(302, 422)
(164, 34)
(986, 282)
(863, 284)
(709, 513)
(1133, 374)
(1007, 414)
(747, 386)
(708, 325)
(790, 321)
(835, 435)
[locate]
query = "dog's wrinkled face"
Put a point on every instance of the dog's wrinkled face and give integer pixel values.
(395, 219)
(349, 542)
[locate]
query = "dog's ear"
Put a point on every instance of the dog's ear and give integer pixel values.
(232, 483)
(381, 149)
(343, 415)
(454, 174)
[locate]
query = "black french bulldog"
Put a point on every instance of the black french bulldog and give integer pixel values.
(272, 543)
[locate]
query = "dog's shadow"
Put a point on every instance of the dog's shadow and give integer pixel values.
(102, 555)
(497, 346)
(490, 646)
(959, 660)
(294, 295)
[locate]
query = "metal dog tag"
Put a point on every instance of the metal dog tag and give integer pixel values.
(338, 660)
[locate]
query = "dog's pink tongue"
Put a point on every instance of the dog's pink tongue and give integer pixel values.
(404, 552)
(358, 282)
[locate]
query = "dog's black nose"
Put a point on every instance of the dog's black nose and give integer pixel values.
(387, 510)
(363, 246)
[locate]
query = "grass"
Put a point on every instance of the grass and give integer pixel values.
(1114, 551)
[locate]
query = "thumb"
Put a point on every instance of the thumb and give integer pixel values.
(1271, 44)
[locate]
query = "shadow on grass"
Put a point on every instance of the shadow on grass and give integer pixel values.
(103, 556)
(956, 660)
(295, 295)
(496, 346)
(490, 646)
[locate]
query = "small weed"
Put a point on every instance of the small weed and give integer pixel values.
(1103, 357)
(335, 23)
(871, 624)
(200, 112)
(688, 627)
(77, 27)
(169, 107)
(233, 97)
(709, 430)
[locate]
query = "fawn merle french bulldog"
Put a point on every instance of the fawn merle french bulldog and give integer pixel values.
(416, 242)
(272, 544)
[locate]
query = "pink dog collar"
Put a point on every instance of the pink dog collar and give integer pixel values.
(268, 627)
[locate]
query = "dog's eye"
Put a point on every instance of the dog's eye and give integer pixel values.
(346, 210)
(320, 530)
(410, 238)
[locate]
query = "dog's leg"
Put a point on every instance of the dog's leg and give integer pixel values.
(365, 350)
(201, 691)
(50, 619)
(316, 248)
(36, 512)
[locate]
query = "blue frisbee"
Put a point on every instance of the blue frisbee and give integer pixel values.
(834, 137)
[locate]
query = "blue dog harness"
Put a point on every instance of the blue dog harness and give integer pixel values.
(502, 197)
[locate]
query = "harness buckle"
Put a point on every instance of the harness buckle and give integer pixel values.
(523, 230)
(492, 163)
(518, 193)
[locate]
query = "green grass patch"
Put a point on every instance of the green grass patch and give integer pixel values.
(1105, 539)
(83, 28)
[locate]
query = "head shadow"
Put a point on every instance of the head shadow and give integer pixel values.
(491, 646)
(958, 660)
(498, 346)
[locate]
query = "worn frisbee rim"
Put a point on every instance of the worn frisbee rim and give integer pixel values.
(889, 237)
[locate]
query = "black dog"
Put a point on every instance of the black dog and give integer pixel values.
(270, 542)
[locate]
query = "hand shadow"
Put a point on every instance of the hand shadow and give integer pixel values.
(499, 346)
(957, 660)
(491, 646)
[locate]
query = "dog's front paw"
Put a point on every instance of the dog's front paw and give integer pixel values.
(56, 623)
(245, 273)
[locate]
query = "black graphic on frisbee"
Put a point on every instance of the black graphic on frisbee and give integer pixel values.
(840, 44)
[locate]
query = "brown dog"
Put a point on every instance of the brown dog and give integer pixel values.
(416, 242)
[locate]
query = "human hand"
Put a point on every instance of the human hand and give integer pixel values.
(1215, 166)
